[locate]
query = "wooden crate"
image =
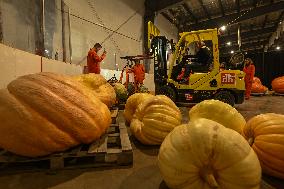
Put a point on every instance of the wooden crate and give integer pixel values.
(112, 149)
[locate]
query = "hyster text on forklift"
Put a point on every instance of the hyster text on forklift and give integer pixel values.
(208, 81)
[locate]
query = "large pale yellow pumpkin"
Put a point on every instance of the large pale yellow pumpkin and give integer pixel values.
(100, 87)
(154, 119)
(45, 113)
(220, 112)
(204, 154)
(132, 103)
(265, 133)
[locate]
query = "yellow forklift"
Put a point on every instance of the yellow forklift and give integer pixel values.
(206, 82)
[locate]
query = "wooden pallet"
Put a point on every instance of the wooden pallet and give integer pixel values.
(112, 149)
(258, 94)
(278, 94)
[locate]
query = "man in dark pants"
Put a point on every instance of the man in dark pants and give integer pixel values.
(203, 58)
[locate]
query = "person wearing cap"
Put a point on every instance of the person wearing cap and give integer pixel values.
(94, 60)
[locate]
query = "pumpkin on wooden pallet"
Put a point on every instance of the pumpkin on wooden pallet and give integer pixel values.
(154, 119)
(278, 85)
(99, 86)
(45, 113)
(205, 154)
(265, 133)
(220, 112)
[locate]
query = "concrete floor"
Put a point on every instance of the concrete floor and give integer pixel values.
(144, 173)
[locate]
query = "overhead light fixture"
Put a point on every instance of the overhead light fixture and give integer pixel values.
(232, 52)
(229, 43)
(277, 48)
(223, 28)
(246, 52)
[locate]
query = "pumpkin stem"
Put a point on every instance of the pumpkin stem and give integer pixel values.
(250, 141)
(210, 179)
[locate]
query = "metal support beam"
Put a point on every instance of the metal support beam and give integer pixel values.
(39, 28)
(167, 17)
(204, 9)
(245, 46)
(276, 24)
(216, 22)
(248, 34)
(254, 3)
(238, 6)
(149, 15)
(1, 24)
(63, 31)
(160, 5)
(221, 7)
(188, 10)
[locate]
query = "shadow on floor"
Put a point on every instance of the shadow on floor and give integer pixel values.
(146, 177)
(145, 149)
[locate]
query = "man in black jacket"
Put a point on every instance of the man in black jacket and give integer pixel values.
(203, 58)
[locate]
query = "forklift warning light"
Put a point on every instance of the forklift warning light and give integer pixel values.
(228, 78)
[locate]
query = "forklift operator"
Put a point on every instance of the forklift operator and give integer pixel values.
(203, 57)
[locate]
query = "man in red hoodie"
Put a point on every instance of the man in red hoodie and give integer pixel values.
(139, 72)
(249, 69)
(94, 60)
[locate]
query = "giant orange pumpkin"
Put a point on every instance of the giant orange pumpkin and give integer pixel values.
(265, 133)
(257, 86)
(278, 84)
(45, 113)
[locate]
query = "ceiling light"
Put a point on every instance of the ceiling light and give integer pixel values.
(223, 28)
(232, 52)
(277, 48)
(229, 43)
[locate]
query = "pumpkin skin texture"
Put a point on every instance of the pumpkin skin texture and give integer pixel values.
(220, 112)
(278, 84)
(265, 133)
(132, 103)
(100, 87)
(45, 113)
(204, 154)
(154, 119)
(257, 86)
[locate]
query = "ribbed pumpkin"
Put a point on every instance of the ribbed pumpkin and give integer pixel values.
(45, 113)
(220, 112)
(265, 133)
(257, 86)
(154, 119)
(100, 87)
(205, 154)
(278, 84)
(121, 92)
(132, 103)
(256, 80)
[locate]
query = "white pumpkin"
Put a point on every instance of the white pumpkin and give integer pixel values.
(154, 119)
(204, 155)
(220, 112)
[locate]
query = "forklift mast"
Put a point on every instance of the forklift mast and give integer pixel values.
(158, 46)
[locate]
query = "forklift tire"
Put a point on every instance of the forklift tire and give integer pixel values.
(225, 96)
(169, 92)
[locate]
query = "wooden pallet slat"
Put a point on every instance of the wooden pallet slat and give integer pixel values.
(113, 148)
